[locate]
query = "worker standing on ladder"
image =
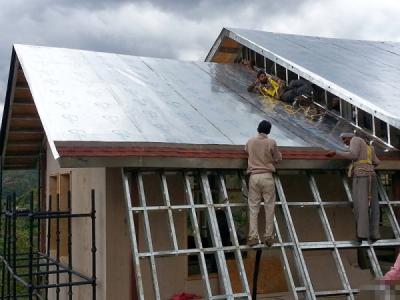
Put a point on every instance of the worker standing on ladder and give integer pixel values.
(263, 154)
(364, 189)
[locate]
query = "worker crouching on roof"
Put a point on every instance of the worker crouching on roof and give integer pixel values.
(267, 85)
(273, 86)
(263, 155)
(364, 189)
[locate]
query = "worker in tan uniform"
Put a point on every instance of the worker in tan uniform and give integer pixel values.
(364, 188)
(263, 155)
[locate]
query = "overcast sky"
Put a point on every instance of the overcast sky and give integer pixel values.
(183, 29)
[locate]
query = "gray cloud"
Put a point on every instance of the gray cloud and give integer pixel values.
(183, 29)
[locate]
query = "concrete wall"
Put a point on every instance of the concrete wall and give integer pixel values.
(82, 181)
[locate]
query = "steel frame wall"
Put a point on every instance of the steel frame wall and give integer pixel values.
(304, 289)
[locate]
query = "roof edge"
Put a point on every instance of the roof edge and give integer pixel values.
(328, 85)
(314, 36)
(195, 151)
(7, 101)
(198, 159)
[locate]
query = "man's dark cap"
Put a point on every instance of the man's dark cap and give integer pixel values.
(264, 127)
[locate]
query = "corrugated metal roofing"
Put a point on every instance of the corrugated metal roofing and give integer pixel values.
(91, 96)
(365, 73)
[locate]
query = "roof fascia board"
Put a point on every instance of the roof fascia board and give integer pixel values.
(40, 113)
(217, 43)
(5, 122)
(209, 163)
(88, 149)
(310, 76)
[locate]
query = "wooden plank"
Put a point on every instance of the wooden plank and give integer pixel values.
(15, 148)
(21, 77)
(20, 160)
(25, 123)
(22, 85)
(224, 58)
(24, 109)
(228, 50)
(22, 92)
(22, 157)
(227, 42)
(28, 100)
(25, 135)
(19, 166)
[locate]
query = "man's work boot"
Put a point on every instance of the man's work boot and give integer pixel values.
(360, 240)
(269, 241)
(374, 239)
(252, 242)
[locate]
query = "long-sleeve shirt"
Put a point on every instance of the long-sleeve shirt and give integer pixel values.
(253, 86)
(359, 151)
(263, 154)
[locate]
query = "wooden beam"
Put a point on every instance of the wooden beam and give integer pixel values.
(21, 77)
(22, 85)
(21, 160)
(224, 58)
(19, 166)
(28, 100)
(22, 92)
(26, 148)
(24, 143)
(16, 154)
(24, 109)
(22, 156)
(228, 50)
(25, 135)
(25, 123)
(227, 42)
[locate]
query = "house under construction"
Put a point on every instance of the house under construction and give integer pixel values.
(142, 191)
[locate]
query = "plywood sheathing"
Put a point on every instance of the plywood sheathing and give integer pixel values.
(227, 51)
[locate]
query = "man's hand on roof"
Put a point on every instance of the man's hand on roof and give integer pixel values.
(330, 153)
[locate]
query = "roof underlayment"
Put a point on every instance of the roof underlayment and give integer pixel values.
(365, 73)
(84, 96)
(102, 97)
(110, 102)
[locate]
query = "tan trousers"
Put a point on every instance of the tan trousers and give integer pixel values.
(261, 186)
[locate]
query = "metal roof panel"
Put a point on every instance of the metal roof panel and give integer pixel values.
(367, 72)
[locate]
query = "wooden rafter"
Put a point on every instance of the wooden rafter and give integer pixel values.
(25, 134)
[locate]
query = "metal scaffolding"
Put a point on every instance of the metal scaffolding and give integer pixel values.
(215, 196)
(31, 273)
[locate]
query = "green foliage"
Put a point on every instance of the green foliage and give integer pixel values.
(22, 183)
(19, 181)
